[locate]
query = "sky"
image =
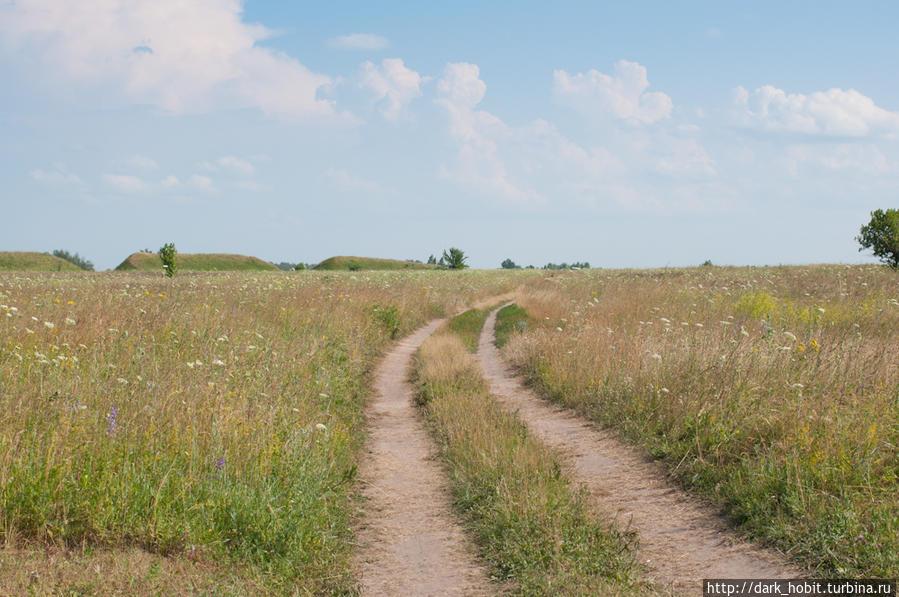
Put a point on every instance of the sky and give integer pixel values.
(626, 134)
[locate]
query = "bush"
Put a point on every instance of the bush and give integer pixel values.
(881, 235)
(454, 259)
(509, 264)
(167, 255)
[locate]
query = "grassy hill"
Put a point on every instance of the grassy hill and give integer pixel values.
(197, 262)
(25, 261)
(368, 263)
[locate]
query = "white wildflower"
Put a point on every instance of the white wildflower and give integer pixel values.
(49, 324)
(122, 380)
(790, 335)
(70, 321)
(321, 427)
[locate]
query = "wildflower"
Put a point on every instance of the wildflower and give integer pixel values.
(798, 386)
(49, 324)
(814, 345)
(28, 331)
(790, 335)
(71, 303)
(122, 380)
(801, 347)
(699, 325)
(218, 362)
(656, 357)
(111, 421)
(220, 464)
(321, 427)
(70, 321)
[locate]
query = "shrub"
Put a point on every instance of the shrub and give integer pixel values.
(167, 255)
(454, 259)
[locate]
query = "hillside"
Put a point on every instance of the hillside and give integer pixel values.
(197, 262)
(26, 261)
(368, 263)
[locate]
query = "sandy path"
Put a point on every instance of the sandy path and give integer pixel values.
(681, 540)
(410, 544)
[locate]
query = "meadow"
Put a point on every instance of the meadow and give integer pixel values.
(773, 392)
(193, 434)
(200, 435)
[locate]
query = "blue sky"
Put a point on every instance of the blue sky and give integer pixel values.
(636, 134)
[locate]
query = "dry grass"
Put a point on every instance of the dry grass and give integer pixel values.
(775, 390)
(209, 415)
(531, 525)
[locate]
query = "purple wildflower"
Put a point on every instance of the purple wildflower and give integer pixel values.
(111, 421)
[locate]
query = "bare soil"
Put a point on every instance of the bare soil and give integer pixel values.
(410, 543)
(682, 540)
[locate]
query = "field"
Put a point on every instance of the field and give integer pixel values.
(201, 434)
(198, 262)
(23, 261)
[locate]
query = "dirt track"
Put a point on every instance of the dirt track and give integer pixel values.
(410, 544)
(681, 540)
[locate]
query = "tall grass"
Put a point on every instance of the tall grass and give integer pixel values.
(531, 525)
(774, 390)
(207, 415)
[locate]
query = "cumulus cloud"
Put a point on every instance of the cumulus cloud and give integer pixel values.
(359, 41)
(835, 112)
(479, 162)
(201, 183)
(57, 176)
(126, 183)
(236, 164)
(143, 162)
(179, 56)
(622, 95)
(351, 183)
(170, 182)
(393, 84)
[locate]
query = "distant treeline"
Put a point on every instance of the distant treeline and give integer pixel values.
(509, 264)
(76, 259)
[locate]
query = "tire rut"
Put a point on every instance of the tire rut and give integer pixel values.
(681, 540)
(410, 543)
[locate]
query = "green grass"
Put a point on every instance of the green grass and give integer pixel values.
(773, 391)
(531, 525)
(468, 326)
(369, 263)
(23, 261)
(198, 262)
(509, 320)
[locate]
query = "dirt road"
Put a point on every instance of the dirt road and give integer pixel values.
(681, 540)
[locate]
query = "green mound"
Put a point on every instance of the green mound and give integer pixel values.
(24, 261)
(369, 263)
(196, 262)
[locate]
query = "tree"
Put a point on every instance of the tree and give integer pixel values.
(432, 260)
(881, 235)
(509, 264)
(454, 259)
(76, 259)
(167, 255)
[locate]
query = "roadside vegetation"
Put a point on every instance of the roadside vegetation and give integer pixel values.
(199, 431)
(533, 527)
(774, 391)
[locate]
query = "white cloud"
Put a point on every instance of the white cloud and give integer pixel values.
(238, 165)
(393, 84)
(126, 183)
(180, 56)
(200, 182)
(348, 182)
(170, 182)
(477, 132)
(835, 112)
(359, 41)
(843, 158)
(143, 162)
(57, 176)
(623, 95)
